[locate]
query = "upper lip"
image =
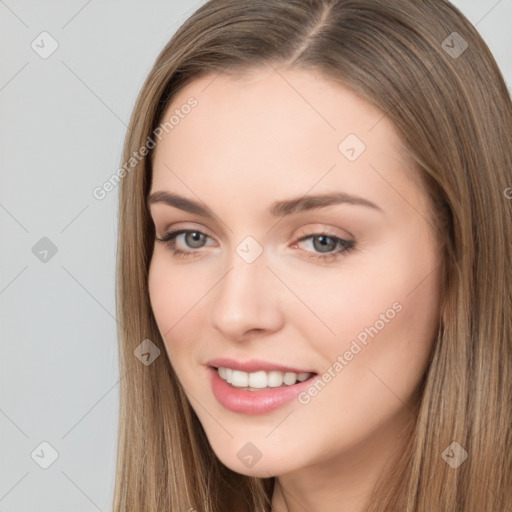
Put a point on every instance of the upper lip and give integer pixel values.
(254, 365)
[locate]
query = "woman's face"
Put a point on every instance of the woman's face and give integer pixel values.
(311, 276)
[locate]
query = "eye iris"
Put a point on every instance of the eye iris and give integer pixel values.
(194, 239)
(324, 247)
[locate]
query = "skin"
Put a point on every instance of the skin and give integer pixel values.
(269, 136)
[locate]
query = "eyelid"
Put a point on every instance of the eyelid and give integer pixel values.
(186, 226)
(312, 229)
(315, 229)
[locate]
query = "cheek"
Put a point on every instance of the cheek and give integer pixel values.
(384, 313)
(172, 296)
(162, 296)
(385, 325)
(179, 297)
(174, 290)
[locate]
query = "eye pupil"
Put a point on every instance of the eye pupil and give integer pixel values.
(324, 247)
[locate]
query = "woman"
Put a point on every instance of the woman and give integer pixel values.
(314, 265)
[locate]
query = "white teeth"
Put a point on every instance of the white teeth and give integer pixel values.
(257, 380)
(275, 379)
(261, 379)
(240, 379)
(290, 378)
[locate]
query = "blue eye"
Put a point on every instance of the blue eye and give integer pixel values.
(195, 240)
(329, 246)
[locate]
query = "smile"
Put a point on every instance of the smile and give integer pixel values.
(256, 387)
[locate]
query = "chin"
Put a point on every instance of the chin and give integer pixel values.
(255, 458)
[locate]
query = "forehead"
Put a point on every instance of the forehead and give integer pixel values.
(286, 128)
(272, 100)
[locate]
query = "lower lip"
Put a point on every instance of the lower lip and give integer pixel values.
(254, 402)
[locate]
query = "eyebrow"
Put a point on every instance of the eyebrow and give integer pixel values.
(277, 209)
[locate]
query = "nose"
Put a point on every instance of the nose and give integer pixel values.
(247, 301)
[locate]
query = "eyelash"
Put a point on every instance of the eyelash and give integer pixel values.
(169, 239)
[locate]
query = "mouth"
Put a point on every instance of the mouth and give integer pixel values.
(256, 387)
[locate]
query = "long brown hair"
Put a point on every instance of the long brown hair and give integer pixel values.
(428, 70)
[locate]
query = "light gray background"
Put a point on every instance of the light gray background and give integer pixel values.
(63, 121)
